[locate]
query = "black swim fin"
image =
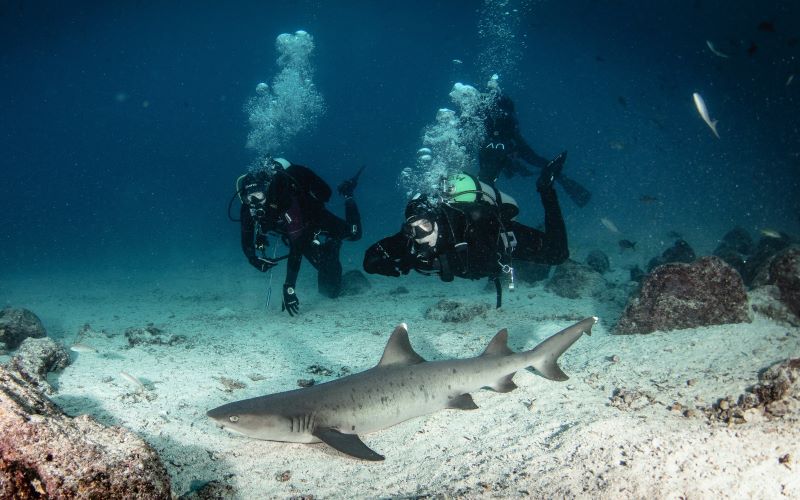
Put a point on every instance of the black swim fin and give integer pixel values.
(576, 192)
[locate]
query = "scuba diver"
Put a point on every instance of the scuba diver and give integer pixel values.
(505, 149)
(469, 231)
(289, 200)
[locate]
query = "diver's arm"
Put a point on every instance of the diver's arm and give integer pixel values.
(527, 153)
(293, 263)
(389, 257)
(353, 218)
(555, 249)
(248, 233)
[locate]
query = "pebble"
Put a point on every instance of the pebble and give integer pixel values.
(691, 382)
(724, 405)
(615, 359)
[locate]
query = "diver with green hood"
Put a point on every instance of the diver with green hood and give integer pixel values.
(288, 200)
(468, 229)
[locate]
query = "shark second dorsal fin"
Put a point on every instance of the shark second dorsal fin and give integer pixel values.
(498, 345)
(398, 350)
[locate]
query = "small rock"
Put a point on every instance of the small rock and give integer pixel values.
(305, 382)
(283, 476)
(36, 357)
(450, 311)
(614, 359)
(598, 261)
(724, 404)
(691, 382)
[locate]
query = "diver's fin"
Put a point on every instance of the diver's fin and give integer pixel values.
(576, 192)
(349, 444)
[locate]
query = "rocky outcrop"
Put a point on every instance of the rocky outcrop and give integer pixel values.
(450, 311)
(16, 325)
(680, 251)
(46, 454)
(777, 395)
(785, 272)
(35, 358)
(573, 280)
(676, 296)
(598, 261)
(354, 283)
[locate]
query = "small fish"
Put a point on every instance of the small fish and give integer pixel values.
(609, 225)
(674, 235)
(622, 101)
(700, 104)
(646, 198)
(458, 61)
(82, 348)
(752, 49)
(714, 50)
(627, 245)
(771, 233)
(766, 26)
(789, 80)
(133, 380)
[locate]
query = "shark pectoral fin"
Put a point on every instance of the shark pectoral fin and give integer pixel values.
(505, 384)
(349, 444)
(462, 402)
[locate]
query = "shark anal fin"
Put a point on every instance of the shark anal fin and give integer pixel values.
(349, 444)
(505, 384)
(462, 402)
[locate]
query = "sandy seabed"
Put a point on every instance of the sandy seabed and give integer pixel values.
(545, 439)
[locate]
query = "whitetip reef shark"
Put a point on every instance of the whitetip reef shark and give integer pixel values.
(402, 386)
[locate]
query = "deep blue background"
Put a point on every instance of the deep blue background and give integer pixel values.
(92, 180)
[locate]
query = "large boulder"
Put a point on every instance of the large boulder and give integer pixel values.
(17, 324)
(676, 296)
(47, 454)
(35, 358)
(573, 280)
(785, 272)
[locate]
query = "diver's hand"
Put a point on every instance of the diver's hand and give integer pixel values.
(263, 264)
(291, 303)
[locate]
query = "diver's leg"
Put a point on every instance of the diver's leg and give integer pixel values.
(329, 270)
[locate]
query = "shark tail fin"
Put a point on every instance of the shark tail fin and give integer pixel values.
(713, 125)
(544, 357)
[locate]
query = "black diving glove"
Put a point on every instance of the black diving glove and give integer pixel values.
(291, 303)
(263, 264)
(347, 186)
(550, 172)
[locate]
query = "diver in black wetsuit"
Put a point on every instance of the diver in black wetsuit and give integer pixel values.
(505, 150)
(289, 200)
(470, 233)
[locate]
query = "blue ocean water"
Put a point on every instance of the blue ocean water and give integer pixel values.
(123, 127)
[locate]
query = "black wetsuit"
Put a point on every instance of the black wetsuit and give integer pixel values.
(295, 210)
(505, 148)
(470, 243)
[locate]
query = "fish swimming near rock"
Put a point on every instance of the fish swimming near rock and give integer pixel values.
(402, 386)
(771, 233)
(700, 104)
(605, 221)
(626, 245)
(82, 349)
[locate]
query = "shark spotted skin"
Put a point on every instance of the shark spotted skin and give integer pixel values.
(402, 386)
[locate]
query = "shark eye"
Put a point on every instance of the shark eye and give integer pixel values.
(233, 418)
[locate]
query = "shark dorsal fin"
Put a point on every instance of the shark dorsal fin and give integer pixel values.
(498, 345)
(398, 350)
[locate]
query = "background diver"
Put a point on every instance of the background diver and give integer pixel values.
(289, 200)
(470, 232)
(504, 150)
